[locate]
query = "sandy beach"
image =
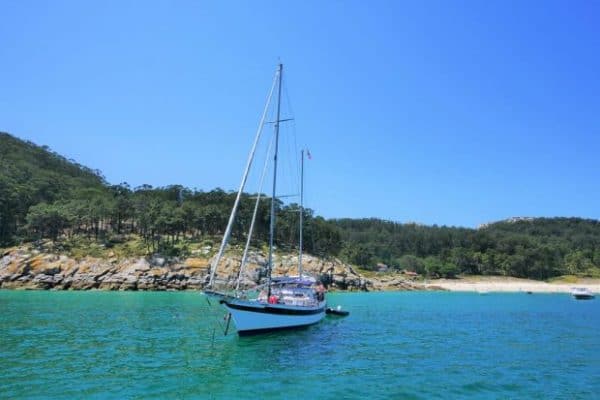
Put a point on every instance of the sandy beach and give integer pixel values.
(507, 284)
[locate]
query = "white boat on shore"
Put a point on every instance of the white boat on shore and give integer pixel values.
(581, 293)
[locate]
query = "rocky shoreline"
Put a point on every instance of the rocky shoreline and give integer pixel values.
(26, 267)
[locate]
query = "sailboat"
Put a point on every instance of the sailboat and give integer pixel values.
(285, 302)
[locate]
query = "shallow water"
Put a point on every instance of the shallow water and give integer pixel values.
(393, 345)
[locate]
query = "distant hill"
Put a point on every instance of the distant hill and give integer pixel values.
(524, 247)
(569, 228)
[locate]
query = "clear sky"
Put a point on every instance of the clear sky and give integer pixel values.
(448, 112)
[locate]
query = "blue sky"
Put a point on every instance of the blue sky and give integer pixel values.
(455, 113)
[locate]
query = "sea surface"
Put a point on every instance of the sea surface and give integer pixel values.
(404, 345)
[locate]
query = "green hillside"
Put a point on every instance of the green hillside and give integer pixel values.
(44, 195)
(523, 247)
(31, 174)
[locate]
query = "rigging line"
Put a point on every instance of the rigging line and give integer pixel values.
(215, 264)
(294, 132)
(213, 315)
(293, 162)
(296, 151)
(289, 175)
(290, 156)
(254, 214)
(305, 174)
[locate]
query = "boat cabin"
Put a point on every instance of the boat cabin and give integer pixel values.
(293, 291)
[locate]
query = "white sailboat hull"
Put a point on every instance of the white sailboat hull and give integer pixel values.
(251, 317)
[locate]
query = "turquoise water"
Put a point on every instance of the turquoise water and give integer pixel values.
(393, 345)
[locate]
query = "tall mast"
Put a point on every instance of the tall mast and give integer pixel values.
(301, 210)
(273, 199)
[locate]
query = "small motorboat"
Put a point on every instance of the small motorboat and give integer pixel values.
(582, 294)
(338, 312)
